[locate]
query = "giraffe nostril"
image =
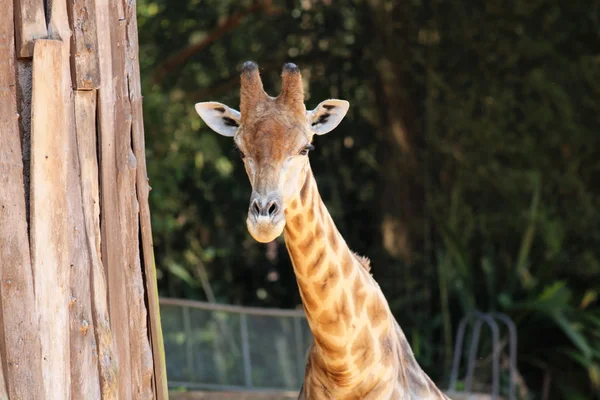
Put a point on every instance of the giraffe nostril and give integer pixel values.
(272, 208)
(269, 209)
(255, 208)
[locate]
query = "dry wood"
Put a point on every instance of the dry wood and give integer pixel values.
(112, 240)
(141, 353)
(3, 392)
(85, 108)
(30, 23)
(84, 46)
(58, 25)
(20, 348)
(50, 127)
(85, 383)
(74, 320)
(143, 190)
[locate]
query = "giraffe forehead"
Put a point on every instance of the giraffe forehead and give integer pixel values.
(273, 137)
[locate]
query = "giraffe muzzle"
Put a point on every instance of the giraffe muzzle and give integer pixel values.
(266, 218)
(264, 209)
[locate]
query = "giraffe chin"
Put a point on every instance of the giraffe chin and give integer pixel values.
(265, 232)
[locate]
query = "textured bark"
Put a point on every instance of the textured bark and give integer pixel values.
(20, 348)
(85, 117)
(143, 190)
(84, 46)
(79, 311)
(30, 23)
(84, 361)
(112, 240)
(3, 392)
(50, 129)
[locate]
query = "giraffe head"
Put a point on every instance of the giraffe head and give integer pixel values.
(273, 136)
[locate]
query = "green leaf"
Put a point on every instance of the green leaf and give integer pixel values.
(182, 274)
(589, 297)
(529, 234)
(574, 334)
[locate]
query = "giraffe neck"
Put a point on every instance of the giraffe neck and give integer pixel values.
(346, 310)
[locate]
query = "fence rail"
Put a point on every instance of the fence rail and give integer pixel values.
(226, 347)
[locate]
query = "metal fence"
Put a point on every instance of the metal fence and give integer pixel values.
(224, 347)
(233, 348)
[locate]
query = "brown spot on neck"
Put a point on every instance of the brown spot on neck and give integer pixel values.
(329, 281)
(311, 214)
(347, 262)
(377, 311)
(387, 350)
(297, 221)
(332, 236)
(314, 267)
(363, 348)
(307, 244)
(345, 309)
(329, 322)
(306, 190)
(310, 304)
(333, 350)
(360, 294)
(289, 234)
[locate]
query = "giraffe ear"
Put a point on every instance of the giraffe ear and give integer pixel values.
(327, 115)
(220, 118)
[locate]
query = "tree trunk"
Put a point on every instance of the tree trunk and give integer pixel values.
(400, 188)
(79, 314)
(408, 275)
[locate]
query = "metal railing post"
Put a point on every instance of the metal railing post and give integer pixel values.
(189, 361)
(194, 381)
(512, 337)
(495, 353)
(246, 350)
(299, 345)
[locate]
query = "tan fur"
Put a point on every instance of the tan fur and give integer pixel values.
(359, 350)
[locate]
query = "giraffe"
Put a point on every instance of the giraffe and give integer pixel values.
(359, 350)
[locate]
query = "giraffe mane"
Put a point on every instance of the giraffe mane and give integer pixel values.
(364, 261)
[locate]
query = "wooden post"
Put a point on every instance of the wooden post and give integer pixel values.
(79, 314)
(30, 25)
(20, 348)
(49, 214)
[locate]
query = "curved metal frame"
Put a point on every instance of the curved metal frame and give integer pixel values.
(490, 320)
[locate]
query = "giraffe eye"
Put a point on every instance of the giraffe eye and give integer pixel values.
(241, 153)
(305, 150)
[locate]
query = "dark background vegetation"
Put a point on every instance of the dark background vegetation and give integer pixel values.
(466, 168)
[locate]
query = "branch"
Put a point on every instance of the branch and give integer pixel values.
(228, 25)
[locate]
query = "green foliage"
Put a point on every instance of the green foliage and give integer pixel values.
(501, 100)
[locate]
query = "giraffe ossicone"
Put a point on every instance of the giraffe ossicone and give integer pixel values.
(359, 350)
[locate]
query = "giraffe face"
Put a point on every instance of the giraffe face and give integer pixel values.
(274, 150)
(274, 137)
